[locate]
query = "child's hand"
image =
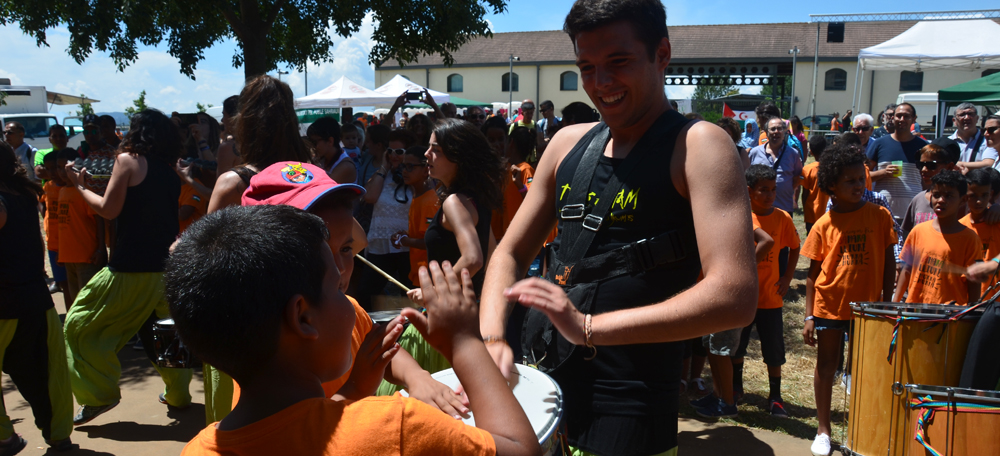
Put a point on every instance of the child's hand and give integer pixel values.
(552, 300)
(809, 333)
(782, 285)
(373, 356)
(439, 396)
(416, 296)
(452, 313)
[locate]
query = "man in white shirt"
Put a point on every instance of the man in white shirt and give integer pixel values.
(14, 134)
(975, 152)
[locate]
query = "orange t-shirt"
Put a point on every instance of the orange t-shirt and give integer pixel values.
(51, 220)
(511, 203)
(851, 247)
(779, 226)
(990, 235)
(527, 174)
(868, 179)
(422, 211)
(815, 205)
(190, 197)
(77, 227)
(932, 256)
(393, 425)
(362, 326)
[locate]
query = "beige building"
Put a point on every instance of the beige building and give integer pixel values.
(723, 53)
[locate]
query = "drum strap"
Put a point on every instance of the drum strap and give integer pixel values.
(931, 406)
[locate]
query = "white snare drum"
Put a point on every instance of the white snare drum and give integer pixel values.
(539, 396)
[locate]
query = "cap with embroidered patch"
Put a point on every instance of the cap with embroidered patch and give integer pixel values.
(295, 184)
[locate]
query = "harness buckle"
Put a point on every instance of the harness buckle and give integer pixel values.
(644, 254)
(592, 222)
(571, 212)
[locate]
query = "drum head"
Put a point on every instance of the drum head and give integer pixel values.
(538, 394)
(383, 316)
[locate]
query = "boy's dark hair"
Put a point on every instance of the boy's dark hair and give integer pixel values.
(325, 127)
(757, 173)
(407, 137)
(524, 141)
(817, 144)
(848, 139)
(647, 17)
(418, 152)
(981, 176)
(994, 180)
(835, 160)
(68, 154)
(766, 111)
(953, 179)
(51, 156)
(228, 288)
(379, 134)
(348, 128)
(579, 112)
(55, 128)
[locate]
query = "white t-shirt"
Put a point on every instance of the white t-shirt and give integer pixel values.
(389, 216)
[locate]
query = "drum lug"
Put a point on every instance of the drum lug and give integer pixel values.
(897, 388)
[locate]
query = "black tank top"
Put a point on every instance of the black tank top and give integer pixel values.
(442, 245)
(22, 263)
(619, 391)
(148, 222)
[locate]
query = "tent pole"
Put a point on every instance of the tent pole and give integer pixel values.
(857, 72)
(861, 91)
(942, 117)
(812, 101)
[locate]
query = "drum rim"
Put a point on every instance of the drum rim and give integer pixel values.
(929, 311)
(166, 322)
(992, 397)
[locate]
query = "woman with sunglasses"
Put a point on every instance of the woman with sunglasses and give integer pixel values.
(991, 131)
(390, 199)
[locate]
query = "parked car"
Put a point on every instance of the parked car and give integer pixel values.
(823, 122)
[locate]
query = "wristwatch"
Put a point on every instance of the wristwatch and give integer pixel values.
(810, 318)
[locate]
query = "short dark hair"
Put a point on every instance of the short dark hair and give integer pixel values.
(912, 109)
(817, 144)
(848, 139)
(16, 125)
(579, 112)
(51, 156)
(757, 173)
(953, 179)
(647, 17)
(228, 288)
(524, 141)
(835, 160)
(106, 118)
(767, 110)
(325, 127)
(231, 105)
(379, 134)
(418, 152)
(348, 128)
(981, 176)
(545, 103)
(68, 154)
(57, 127)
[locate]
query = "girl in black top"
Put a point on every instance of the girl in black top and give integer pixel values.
(471, 175)
(35, 361)
(142, 195)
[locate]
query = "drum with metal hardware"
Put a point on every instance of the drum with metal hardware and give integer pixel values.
(895, 344)
(952, 421)
(170, 351)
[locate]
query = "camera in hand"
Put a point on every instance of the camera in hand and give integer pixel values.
(97, 167)
(413, 96)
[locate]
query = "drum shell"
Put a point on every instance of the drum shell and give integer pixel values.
(955, 433)
(926, 353)
(170, 351)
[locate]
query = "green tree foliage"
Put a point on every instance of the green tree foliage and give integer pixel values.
(702, 100)
(85, 108)
(138, 105)
(3, 95)
(269, 33)
(203, 108)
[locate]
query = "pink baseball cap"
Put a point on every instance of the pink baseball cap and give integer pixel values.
(292, 183)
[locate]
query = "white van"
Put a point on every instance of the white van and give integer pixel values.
(926, 104)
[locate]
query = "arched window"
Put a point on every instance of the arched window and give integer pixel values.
(911, 81)
(990, 71)
(836, 79)
(455, 83)
(568, 80)
(505, 83)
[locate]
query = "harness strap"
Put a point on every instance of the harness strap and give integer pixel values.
(633, 258)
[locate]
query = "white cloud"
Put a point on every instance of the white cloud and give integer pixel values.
(169, 90)
(350, 59)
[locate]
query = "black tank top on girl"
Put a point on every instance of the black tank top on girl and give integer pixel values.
(148, 223)
(442, 245)
(624, 402)
(22, 259)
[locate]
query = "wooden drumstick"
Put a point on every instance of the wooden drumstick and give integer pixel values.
(384, 274)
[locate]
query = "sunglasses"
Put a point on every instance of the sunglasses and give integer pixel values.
(397, 151)
(479, 117)
(860, 129)
(991, 130)
(931, 165)
(410, 166)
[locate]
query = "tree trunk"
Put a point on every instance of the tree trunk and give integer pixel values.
(254, 53)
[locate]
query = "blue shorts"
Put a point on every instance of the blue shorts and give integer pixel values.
(58, 272)
(826, 323)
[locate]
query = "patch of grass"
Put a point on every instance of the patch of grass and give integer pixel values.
(796, 374)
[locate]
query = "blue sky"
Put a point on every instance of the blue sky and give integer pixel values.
(158, 73)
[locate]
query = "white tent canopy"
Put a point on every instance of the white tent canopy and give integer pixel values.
(342, 94)
(398, 84)
(928, 45)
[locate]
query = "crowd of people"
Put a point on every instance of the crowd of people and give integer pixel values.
(632, 247)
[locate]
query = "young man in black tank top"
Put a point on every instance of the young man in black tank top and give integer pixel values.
(621, 394)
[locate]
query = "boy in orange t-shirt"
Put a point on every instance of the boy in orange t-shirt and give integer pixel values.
(813, 199)
(50, 221)
(294, 333)
(772, 285)
(521, 143)
(850, 248)
(191, 206)
(81, 235)
(980, 194)
(425, 204)
(937, 252)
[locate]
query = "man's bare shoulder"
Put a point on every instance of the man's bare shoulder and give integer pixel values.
(563, 141)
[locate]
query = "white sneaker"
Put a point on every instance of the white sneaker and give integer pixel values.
(821, 446)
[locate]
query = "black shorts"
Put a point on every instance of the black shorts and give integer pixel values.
(771, 329)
